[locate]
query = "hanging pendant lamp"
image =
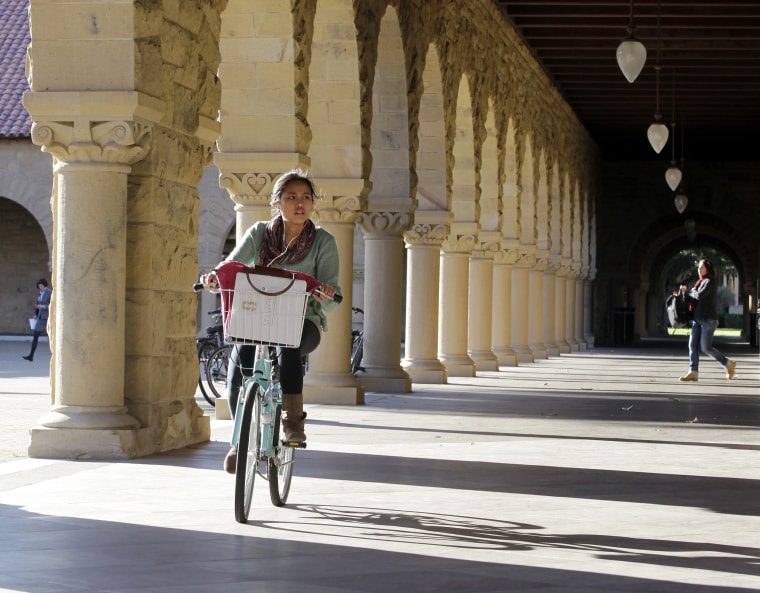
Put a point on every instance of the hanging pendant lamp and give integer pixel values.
(631, 53)
(658, 132)
(673, 174)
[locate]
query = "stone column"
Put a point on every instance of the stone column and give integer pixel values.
(550, 296)
(383, 303)
(521, 306)
(480, 309)
(536, 310)
(92, 157)
(453, 305)
(579, 308)
(329, 380)
(588, 301)
(570, 310)
(423, 254)
(560, 310)
(502, 308)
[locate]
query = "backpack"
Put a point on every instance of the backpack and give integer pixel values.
(678, 306)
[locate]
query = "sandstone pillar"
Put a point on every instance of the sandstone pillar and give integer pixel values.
(521, 307)
(571, 312)
(92, 156)
(480, 305)
(550, 296)
(502, 308)
(560, 310)
(383, 304)
(588, 291)
(580, 293)
(423, 254)
(453, 303)
(536, 296)
(329, 380)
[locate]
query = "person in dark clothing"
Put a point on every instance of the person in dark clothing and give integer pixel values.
(41, 315)
(704, 299)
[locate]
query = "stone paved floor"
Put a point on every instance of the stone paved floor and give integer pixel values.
(590, 472)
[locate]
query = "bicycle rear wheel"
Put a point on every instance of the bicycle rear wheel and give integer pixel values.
(216, 370)
(280, 469)
(247, 452)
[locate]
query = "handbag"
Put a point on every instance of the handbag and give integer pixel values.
(32, 323)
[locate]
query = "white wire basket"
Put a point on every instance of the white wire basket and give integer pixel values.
(264, 309)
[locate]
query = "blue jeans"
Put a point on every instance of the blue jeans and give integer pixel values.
(702, 331)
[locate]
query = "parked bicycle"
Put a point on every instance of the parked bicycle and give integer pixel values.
(216, 370)
(357, 345)
(264, 307)
(205, 345)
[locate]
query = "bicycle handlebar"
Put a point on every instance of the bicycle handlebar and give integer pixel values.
(198, 286)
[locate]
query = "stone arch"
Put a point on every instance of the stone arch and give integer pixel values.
(26, 179)
(490, 191)
(389, 147)
(510, 188)
(464, 188)
(25, 260)
(663, 240)
(334, 94)
(431, 155)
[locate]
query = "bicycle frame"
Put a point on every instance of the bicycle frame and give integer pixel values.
(264, 369)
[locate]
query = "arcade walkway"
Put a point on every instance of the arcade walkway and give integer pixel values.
(591, 472)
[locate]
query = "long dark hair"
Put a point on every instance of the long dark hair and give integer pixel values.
(710, 268)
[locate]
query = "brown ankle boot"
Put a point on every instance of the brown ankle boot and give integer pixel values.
(293, 418)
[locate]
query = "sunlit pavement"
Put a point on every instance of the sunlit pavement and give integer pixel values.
(593, 471)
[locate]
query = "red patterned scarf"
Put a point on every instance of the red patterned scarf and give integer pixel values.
(273, 248)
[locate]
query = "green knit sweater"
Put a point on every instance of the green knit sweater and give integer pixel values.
(321, 261)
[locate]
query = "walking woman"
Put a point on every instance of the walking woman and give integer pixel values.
(704, 298)
(39, 326)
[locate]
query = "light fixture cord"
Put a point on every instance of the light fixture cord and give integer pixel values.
(657, 66)
(673, 121)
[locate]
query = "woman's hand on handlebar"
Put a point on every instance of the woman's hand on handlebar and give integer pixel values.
(210, 282)
(324, 293)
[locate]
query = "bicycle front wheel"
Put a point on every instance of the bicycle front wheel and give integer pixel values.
(247, 452)
(216, 370)
(280, 470)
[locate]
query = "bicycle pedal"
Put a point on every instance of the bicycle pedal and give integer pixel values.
(294, 444)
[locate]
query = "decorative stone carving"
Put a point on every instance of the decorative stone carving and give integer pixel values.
(506, 257)
(246, 188)
(339, 209)
(117, 142)
(386, 223)
(459, 243)
(426, 234)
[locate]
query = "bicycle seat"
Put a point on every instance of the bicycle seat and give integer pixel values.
(214, 329)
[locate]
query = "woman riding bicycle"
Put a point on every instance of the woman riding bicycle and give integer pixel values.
(290, 240)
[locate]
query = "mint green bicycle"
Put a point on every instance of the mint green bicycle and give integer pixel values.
(264, 307)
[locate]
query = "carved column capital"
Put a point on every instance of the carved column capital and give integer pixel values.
(383, 223)
(506, 257)
(247, 188)
(339, 208)
(459, 243)
(80, 141)
(526, 259)
(426, 234)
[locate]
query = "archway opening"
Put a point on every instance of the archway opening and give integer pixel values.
(681, 268)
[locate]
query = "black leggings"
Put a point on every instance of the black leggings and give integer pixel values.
(290, 359)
